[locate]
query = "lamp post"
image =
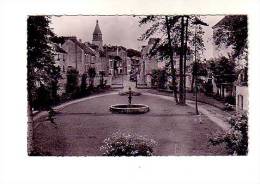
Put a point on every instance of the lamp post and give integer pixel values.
(196, 22)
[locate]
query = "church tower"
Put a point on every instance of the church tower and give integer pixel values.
(97, 36)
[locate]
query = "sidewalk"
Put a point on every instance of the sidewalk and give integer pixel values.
(189, 96)
(207, 106)
(37, 115)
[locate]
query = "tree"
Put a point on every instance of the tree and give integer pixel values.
(198, 69)
(176, 37)
(41, 70)
(163, 25)
(232, 31)
(83, 84)
(40, 57)
(133, 52)
(91, 75)
(72, 81)
(223, 70)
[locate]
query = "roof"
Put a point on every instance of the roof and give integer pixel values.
(223, 21)
(57, 48)
(97, 29)
(84, 47)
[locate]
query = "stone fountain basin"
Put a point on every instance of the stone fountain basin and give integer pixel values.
(129, 109)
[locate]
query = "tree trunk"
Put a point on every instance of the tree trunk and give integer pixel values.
(29, 129)
(173, 72)
(185, 58)
(192, 82)
(181, 85)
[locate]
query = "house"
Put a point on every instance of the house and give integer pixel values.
(148, 63)
(242, 91)
(117, 59)
(60, 59)
(79, 56)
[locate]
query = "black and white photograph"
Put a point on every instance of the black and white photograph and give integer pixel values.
(129, 92)
(173, 85)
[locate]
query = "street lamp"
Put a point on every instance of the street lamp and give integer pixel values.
(196, 22)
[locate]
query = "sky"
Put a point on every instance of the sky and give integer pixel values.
(118, 30)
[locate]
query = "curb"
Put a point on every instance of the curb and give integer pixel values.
(59, 107)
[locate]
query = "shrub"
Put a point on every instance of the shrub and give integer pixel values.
(121, 144)
(72, 80)
(229, 107)
(83, 84)
(42, 99)
(236, 139)
(231, 100)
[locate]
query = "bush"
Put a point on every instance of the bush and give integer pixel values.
(72, 80)
(121, 144)
(83, 84)
(229, 107)
(236, 139)
(231, 100)
(42, 98)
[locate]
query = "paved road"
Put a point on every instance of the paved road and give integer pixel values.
(81, 128)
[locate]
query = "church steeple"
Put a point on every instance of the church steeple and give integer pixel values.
(97, 36)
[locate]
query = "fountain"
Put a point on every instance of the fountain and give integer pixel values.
(129, 108)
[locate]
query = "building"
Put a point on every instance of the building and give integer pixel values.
(60, 59)
(148, 63)
(242, 91)
(97, 37)
(239, 88)
(117, 59)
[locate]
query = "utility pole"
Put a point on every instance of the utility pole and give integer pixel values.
(171, 61)
(196, 22)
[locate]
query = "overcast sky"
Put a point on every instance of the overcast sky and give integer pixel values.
(117, 30)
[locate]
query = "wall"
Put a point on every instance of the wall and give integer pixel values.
(243, 91)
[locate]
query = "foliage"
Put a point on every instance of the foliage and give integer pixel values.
(133, 52)
(72, 81)
(102, 83)
(171, 30)
(199, 69)
(125, 144)
(42, 98)
(162, 79)
(223, 70)
(208, 88)
(91, 72)
(41, 69)
(233, 31)
(228, 107)
(230, 100)
(236, 139)
(83, 84)
(159, 78)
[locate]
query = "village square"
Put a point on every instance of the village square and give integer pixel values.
(163, 98)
